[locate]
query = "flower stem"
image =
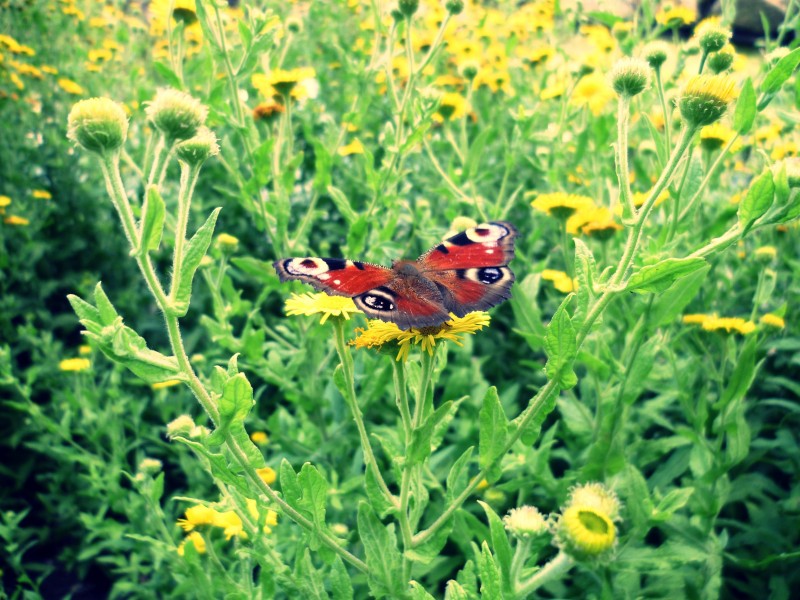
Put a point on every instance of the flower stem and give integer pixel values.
(667, 119)
(623, 175)
(555, 568)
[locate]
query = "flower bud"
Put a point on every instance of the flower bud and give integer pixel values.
(197, 149)
(656, 53)
(792, 165)
(407, 7)
(585, 528)
(176, 114)
(227, 243)
(712, 37)
(454, 7)
(98, 124)
(525, 522)
(630, 76)
(469, 69)
(182, 426)
(705, 98)
(722, 60)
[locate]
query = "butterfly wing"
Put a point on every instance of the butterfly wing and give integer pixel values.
(334, 276)
(471, 268)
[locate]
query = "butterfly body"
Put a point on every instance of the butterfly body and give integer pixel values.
(467, 272)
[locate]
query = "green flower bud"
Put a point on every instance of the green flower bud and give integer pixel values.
(630, 76)
(197, 149)
(469, 69)
(705, 99)
(176, 114)
(98, 124)
(454, 7)
(227, 243)
(712, 37)
(722, 60)
(656, 53)
(182, 426)
(407, 7)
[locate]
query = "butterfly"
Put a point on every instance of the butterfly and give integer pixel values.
(464, 273)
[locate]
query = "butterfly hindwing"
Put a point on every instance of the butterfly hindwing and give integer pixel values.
(487, 245)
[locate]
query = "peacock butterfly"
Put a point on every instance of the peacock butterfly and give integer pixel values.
(464, 273)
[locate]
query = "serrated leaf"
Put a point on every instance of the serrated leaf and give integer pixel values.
(745, 112)
(85, 311)
(560, 342)
(196, 249)
(458, 476)
(289, 486)
(342, 204)
(500, 544)
(660, 276)
(454, 591)
(489, 573)
(153, 220)
(418, 592)
(380, 503)
(315, 493)
(493, 431)
(757, 200)
(668, 305)
(108, 314)
(309, 579)
(383, 557)
(341, 586)
(585, 273)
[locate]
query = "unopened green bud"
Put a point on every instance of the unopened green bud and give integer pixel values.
(469, 69)
(656, 53)
(454, 7)
(98, 124)
(722, 60)
(407, 7)
(630, 76)
(227, 243)
(176, 114)
(197, 149)
(712, 37)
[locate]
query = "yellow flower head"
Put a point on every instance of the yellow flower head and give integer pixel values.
(282, 82)
(380, 333)
(74, 364)
(452, 106)
(705, 98)
(196, 540)
(315, 304)
(593, 91)
(196, 516)
(676, 16)
(41, 194)
(16, 220)
(354, 147)
(70, 87)
(267, 475)
(729, 324)
(773, 320)
(561, 281)
(562, 205)
(259, 438)
(695, 319)
(585, 529)
(713, 137)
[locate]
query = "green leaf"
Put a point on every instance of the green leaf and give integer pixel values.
(237, 400)
(458, 476)
(383, 557)
(493, 430)
(309, 579)
(500, 545)
(781, 181)
(585, 274)
(343, 204)
(419, 449)
(357, 235)
(745, 112)
(757, 200)
(742, 377)
(195, 251)
(671, 503)
(158, 488)
(781, 72)
(660, 276)
(315, 493)
(668, 305)
(418, 592)
(152, 221)
(108, 314)
(560, 342)
(168, 74)
(429, 551)
(380, 503)
(489, 572)
(454, 591)
(341, 586)
(85, 311)
(289, 486)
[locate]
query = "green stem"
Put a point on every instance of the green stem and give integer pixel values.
(555, 568)
(189, 175)
(702, 62)
(667, 116)
(711, 172)
(160, 161)
(623, 175)
(676, 203)
(109, 163)
(568, 263)
(346, 360)
(401, 394)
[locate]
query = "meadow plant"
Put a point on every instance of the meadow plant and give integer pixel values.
(596, 435)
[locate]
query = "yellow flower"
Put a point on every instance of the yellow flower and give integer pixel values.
(593, 91)
(705, 98)
(773, 320)
(676, 16)
(313, 304)
(585, 529)
(84, 349)
(16, 220)
(197, 540)
(562, 205)
(561, 281)
(354, 147)
(41, 194)
(729, 324)
(380, 333)
(259, 438)
(268, 111)
(766, 252)
(716, 135)
(165, 384)
(195, 516)
(280, 81)
(695, 319)
(267, 475)
(452, 106)
(70, 87)
(601, 224)
(74, 364)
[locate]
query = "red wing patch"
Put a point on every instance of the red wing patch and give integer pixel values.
(334, 276)
(487, 245)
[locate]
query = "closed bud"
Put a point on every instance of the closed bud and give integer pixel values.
(705, 98)
(722, 60)
(630, 76)
(176, 114)
(98, 124)
(227, 243)
(454, 7)
(197, 149)
(712, 37)
(182, 426)
(407, 7)
(792, 166)
(656, 53)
